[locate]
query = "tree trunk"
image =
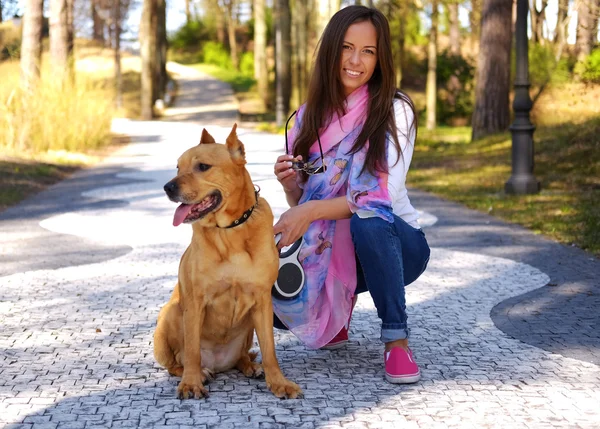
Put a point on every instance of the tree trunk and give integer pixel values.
(475, 21)
(231, 26)
(149, 57)
(402, 16)
(562, 22)
(260, 50)
(283, 60)
(431, 88)
(116, 12)
(160, 71)
(585, 32)
(31, 44)
(537, 19)
(97, 22)
(454, 28)
(188, 12)
(59, 38)
(1, 16)
(301, 21)
(491, 114)
(70, 30)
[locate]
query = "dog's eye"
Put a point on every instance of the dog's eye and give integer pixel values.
(203, 167)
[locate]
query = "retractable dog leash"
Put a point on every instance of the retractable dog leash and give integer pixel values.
(290, 279)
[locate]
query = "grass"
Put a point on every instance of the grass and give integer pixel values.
(48, 132)
(567, 163)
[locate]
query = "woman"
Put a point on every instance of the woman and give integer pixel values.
(360, 230)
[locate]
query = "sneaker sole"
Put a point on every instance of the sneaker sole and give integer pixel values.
(335, 346)
(404, 379)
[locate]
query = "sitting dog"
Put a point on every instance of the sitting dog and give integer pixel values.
(223, 293)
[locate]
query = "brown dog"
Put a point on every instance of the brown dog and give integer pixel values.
(225, 275)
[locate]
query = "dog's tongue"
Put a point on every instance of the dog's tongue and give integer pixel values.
(180, 213)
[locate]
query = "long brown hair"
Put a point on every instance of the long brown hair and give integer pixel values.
(326, 92)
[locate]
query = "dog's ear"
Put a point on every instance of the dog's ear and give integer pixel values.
(206, 137)
(235, 147)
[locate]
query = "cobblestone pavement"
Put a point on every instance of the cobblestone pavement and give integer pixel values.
(76, 336)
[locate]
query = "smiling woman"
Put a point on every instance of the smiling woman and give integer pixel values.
(359, 230)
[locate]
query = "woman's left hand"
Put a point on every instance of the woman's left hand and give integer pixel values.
(293, 224)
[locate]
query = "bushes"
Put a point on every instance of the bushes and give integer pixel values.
(455, 77)
(10, 41)
(589, 69)
(214, 53)
(190, 36)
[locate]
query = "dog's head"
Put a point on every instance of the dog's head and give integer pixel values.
(207, 175)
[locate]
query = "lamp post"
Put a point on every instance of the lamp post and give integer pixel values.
(522, 180)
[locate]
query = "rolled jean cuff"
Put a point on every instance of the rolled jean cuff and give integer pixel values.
(392, 333)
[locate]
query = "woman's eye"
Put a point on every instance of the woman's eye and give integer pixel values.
(347, 47)
(203, 167)
(370, 52)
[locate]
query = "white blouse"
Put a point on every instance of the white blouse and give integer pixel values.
(397, 173)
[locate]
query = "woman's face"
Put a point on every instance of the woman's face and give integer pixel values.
(359, 55)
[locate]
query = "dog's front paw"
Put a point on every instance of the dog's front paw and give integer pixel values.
(187, 390)
(285, 389)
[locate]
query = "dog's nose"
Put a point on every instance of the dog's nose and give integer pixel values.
(171, 188)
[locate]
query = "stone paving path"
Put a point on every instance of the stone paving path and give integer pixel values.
(76, 329)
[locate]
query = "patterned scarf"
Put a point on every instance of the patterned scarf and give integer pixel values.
(327, 256)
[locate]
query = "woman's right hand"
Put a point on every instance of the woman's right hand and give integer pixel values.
(285, 174)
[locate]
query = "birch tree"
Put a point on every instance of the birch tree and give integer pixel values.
(31, 44)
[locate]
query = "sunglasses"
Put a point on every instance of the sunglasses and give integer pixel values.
(309, 168)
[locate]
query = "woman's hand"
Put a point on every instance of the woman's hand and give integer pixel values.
(285, 174)
(293, 224)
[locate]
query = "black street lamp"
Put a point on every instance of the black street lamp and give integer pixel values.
(522, 180)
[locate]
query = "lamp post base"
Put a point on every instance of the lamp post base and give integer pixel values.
(522, 185)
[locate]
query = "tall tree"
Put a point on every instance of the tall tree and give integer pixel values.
(475, 20)
(31, 44)
(59, 37)
(587, 27)
(116, 18)
(562, 22)
(188, 11)
(325, 10)
(537, 18)
(299, 49)
(454, 29)
(160, 70)
(149, 57)
(97, 21)
(230, 7)
(260, 50)
(431, 88)
(491, 113)
(283, 60)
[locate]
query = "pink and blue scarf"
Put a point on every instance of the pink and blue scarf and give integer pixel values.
(327, 256)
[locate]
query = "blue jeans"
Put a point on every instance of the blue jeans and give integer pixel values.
(389, 257)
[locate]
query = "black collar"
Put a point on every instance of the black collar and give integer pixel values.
(247, 213)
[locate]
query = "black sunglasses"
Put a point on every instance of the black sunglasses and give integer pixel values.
(308, 167)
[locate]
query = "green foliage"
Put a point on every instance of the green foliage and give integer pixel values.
(247, 64)
(543, 67)
(589, 69)
(190, 36)
(10, 41)
(455, 76)
(214, 53)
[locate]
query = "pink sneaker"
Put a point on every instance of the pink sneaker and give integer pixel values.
(400, 368)
(341, 339)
